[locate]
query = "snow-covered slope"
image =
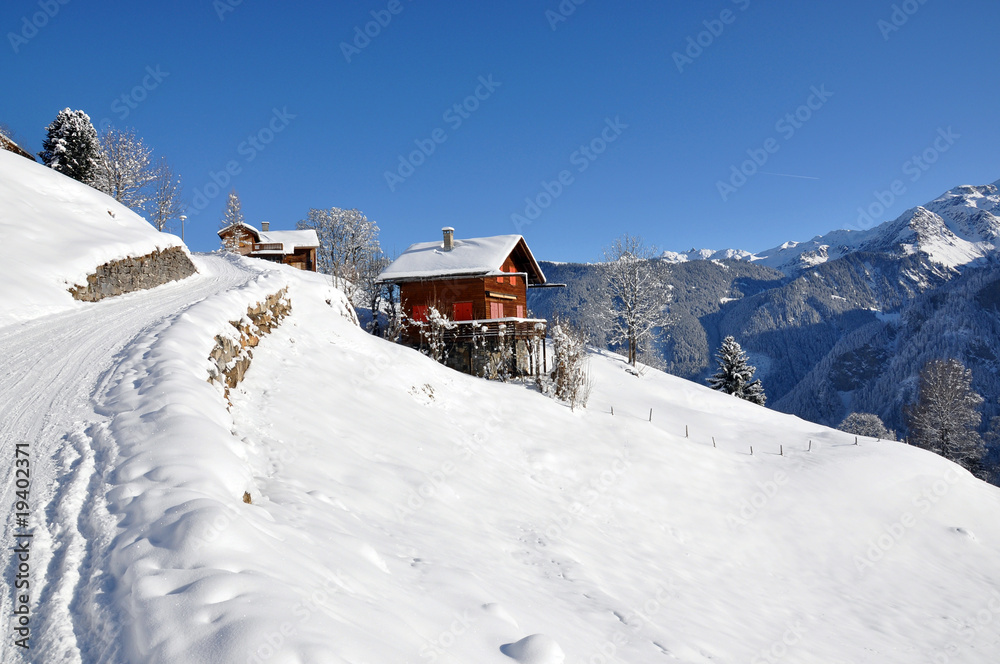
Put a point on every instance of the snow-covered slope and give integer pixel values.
(55, 231)
(955, 229)
(403, 512)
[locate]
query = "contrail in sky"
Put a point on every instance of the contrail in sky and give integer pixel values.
(785, 175)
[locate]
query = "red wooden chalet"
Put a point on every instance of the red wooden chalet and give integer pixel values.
(481, 286)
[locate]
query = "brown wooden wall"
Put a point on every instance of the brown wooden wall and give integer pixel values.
(444, 293)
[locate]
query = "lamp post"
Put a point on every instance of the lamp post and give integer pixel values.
(182, 218)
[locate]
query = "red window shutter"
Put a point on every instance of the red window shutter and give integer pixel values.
(496, 310)
(419, 313)
(520, 311)
(462, 311)
(513, 281)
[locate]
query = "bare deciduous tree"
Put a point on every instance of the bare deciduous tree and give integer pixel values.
(946, 417)
(125, 170)
(349, 249)
(570, 373)
(165, 203)
(636, 298)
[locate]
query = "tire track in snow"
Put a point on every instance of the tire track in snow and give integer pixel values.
(53, 368)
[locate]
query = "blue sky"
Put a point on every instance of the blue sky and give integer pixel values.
(639, 137)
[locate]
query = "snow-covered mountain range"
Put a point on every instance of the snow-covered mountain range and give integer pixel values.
(954, 230)
(824, 319)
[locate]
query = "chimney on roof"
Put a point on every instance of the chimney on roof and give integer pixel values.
(265, 226)
(449, 238)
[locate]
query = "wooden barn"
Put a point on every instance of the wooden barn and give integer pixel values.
(295, 248)
(481, 286)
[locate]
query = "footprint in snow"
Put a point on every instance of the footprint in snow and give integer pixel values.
(968, 533)
(534, 649)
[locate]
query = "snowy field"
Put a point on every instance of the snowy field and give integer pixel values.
(402, 512)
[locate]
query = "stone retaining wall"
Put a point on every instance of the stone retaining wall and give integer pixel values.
(135, 273)
(232, 354)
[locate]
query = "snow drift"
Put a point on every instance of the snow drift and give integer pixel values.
(55, 232)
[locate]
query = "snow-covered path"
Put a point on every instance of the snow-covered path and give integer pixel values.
(53, 368)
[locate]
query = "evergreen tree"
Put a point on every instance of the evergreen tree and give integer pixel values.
(71, 146)
(945, 418)
(233, 216)
(866, 424)
(735, 374)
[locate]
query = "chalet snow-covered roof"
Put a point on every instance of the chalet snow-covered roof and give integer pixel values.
(470, 257)
(289, 240)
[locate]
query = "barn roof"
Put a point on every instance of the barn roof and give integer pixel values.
(470, 257)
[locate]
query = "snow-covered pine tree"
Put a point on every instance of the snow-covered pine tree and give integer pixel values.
(125, 171)
(71, 146)
(233, 216)
(735, 374)
(866, 424)
(945, 418)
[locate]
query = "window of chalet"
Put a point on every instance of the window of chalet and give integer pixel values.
(419, 313)
(462, 311)
(496, 309)
(513, 279)
(520, 311)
